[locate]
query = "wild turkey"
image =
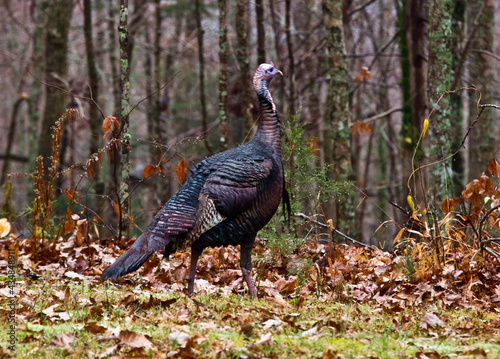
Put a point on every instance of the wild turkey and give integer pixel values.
(228, 198)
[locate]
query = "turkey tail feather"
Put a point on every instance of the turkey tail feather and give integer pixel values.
(134, 258)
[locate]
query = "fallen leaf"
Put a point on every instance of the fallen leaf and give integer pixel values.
(134, 339)
(4, 227)
(180, 337)
(309, 332)
(108, 351)
(94, 328)
(63, 340)
(430, 320)
(49, 311)
(271, 323)
(264, 339)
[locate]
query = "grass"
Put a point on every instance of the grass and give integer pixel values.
(233, 326)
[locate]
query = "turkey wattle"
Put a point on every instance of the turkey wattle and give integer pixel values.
(229, 197)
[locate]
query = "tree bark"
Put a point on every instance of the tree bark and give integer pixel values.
(482, 146)
(55, 72)
(244, 62)
(456, 102)
(123, 192)
(413, 47)
(94, 115)
(201, 62)
(10, 139)
(291, 58)
(261, 32)
(223, 55)
(113, 59)
(440, 130)
(336, 144)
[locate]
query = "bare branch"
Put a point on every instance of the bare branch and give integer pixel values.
(335, 230)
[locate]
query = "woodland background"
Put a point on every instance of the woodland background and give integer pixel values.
(360, 78)
(389, 139)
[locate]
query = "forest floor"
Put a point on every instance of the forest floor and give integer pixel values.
(342, 302)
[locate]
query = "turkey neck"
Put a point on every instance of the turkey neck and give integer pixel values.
(268, 124)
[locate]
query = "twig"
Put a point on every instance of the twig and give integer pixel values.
(466, 47)
(383, 114)
(97, 216)
(152, 94)
(493, 253)
(335, 230)
(481, 223)
(60, 89)
(480, 109)
(496, 57)
(361, 7)
(490, 105)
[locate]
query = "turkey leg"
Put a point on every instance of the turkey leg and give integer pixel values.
(195, 254)
(246, 266)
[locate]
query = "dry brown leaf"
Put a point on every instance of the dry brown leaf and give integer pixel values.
(134, 339)
(49, 311)
(180, 337)
(361, 128)
(363, 74)
(449, 204)
(430, 320)
(264, 339)
(94, 328)
(494, 168)
(4, 227)
(64, 340)
(148, 171)
(181, 171)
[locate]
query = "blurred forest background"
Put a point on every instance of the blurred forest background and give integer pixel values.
(157, 85)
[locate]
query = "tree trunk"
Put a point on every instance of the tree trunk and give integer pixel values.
(276, 32)
(201, 62)
(482, 145)
(243, 60)
(123, 192)
(440, 130)
(414, 86)
(224, 124)
(94, 115)
(112, 59)
(10, 139)
(55, 72)
(261, 32)
(336, 144)
(456, 103)
(291, 59)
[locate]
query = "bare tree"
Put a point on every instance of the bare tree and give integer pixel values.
(291, 58)
(55, 71)
(261, 31)
(244, 61)
(223, 73)
(94, 115)
(336, 144)
(440, 130)
(414, 32)
(201, 62)
(482, 140)
(123, 191)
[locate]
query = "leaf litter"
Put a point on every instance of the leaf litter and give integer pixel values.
(342, 301)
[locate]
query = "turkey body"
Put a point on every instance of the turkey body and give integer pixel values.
(227, 199)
